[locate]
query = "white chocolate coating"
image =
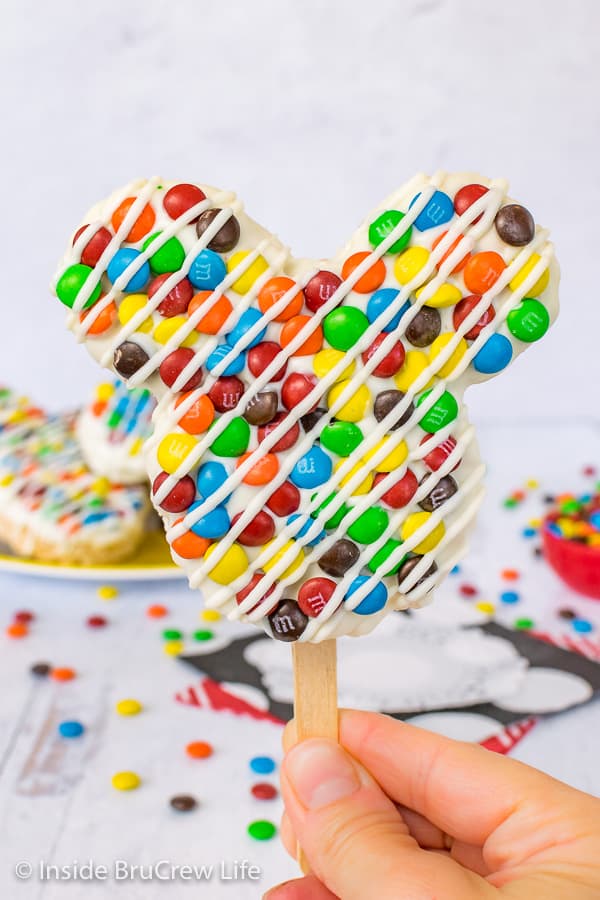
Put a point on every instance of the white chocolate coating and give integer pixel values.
(471, 232)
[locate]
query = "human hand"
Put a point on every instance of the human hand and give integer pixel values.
(397, 813)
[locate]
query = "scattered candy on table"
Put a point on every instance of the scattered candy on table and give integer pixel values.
(262, 830)
(263, 765)
(183, 802)
(128, 707)
(70, 729)
(199, 749)
(264, 791)
(108, 592)
(126, 781)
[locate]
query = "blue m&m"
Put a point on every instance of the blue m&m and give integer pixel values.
(494, 356)
(213, 524)
(307, 524)
(375, 599)
(438, 211)
(312, 469)
(233, 367)
(207, 270)
(248, 319)
(379, 302)
(120, 261)
(211, 476)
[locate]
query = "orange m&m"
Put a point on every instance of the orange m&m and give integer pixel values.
(461, 263)
(212, 322)
(270, 294)
(199, 416)
(372, 278)
(314, 339)
(483, 270)
(142, 224)
(103, 321)
(190, 545)
(263, 471)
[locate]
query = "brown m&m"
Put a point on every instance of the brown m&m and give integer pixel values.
(515, 225)
(288, 622)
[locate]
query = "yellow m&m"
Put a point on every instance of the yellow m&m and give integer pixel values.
(355, 408)
(297, 557)
(130, 305)
(173, 449)
(439, 345)
(409, 264)
(256, 268)
(419, 520)
(365, 486)
(233, 564)
(167, 328)
(393, 460)
(326, 360)
(540, 285)
(415, 362)
(445, 295)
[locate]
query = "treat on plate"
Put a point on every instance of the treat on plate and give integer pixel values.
(52, 507)
(571, 539)
(112, 430)
(311, 458)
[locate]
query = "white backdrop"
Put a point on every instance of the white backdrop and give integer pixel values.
(312, 111)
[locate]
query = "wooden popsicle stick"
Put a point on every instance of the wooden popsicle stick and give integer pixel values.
(315, 697)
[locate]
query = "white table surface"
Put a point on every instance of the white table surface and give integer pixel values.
(56, 799)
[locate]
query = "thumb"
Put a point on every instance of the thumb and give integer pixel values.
(354, 837)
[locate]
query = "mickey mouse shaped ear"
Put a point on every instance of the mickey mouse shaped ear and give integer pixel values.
(312, 459)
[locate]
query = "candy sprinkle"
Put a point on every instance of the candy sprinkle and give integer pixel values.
(262, 830)
(107, 592)
(486, 607)
(172, 634)
(157, 611)
(63, 674)
(128, 707)
(509, 597)
(70, 729)
(510, 574)
(183, 802)
(204, 635)
(582, 626)
(524, 624)
(199, 749)
(173, 648)
(262, 765)
(126, 781)
(468, 590)
(41, 670)
(262, 790)
(210, 615)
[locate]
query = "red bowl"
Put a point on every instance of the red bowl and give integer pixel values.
(577, 564)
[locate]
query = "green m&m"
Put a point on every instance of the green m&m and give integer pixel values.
(344, 326)
(378, 561)
(168, 258)
(234, 440)
(369, 526)
(337, 516)
(444, 411)
(529, 321)
(341, 437)
(384, 225)
(71, 282)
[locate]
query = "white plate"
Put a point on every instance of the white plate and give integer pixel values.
(152, 562)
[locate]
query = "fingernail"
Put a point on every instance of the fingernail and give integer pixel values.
(320, 773)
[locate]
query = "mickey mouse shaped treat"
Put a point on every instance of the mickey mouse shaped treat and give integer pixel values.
(311, 458)
(112, 430)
